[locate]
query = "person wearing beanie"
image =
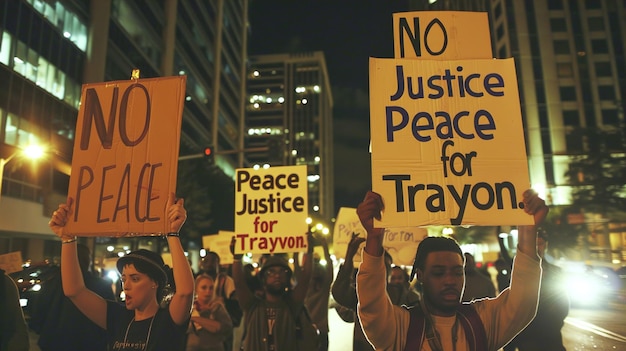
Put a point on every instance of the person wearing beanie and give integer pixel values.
(271, 320)
(140, 324)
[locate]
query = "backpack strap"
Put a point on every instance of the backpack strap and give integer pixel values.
(417, 329)
(468, 318)
(473, 327)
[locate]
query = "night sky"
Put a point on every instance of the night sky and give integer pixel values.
(348, 32)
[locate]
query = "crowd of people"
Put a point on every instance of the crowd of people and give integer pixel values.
(283, 303)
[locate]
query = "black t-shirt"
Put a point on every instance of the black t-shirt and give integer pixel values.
(159, 333)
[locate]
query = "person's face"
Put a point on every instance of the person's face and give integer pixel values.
(209, 265)
(443, 279)
(205, 289)
(138, 287)
(541, 246)
(276, 280)
(397, 277)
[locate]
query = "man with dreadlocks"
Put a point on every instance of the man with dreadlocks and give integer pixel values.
(441, 322)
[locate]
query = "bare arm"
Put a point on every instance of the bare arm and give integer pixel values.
(527, 239)
(180, 306)
(89, 303)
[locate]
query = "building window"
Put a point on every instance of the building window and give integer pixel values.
(5, 48)
(568, 93)
(574, 142)
(593, 4)
(19, 132)
(500, 31)
(603, 69)
(571, 118)
(610, 117)
(599, 46)
(558, 24)
(596, 24)
(555, 4)
(561, 47)
(564, 69)
(606, 92)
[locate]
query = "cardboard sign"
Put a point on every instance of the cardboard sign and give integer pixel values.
(11, 262)
(271, 207)
(220, 244)
(400, 243)
(125, 157)
(447, 142)
(441, 35)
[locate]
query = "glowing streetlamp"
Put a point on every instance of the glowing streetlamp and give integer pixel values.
(32, 152)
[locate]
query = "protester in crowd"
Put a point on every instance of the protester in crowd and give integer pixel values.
(225, 292)
(54, 316)
(477, 284)
(13, 329)
(344, 291)
(272, 321)
(399, 288)
(441, 319)
(544, 332)
(141, 323)
(318, 295)
(210, 323)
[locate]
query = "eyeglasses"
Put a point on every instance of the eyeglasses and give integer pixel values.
(276, 271)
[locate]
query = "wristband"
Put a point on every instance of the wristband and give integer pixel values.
(67, 241)
(173, 234)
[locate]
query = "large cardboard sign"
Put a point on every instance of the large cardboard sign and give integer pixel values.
(271, 207)
(447, 142)
(400, 243)
(126, 156)
(441, 35)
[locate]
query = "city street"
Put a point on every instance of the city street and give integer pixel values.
(585, 329)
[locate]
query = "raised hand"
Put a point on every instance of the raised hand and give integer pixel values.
(59, 218)
(176, 213)
(368, 210)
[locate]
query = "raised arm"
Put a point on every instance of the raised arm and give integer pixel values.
(527, 239)
(368, 210)
(89, 303)
(343, 290)
(304, 278)
(180, 306)
(244, 295)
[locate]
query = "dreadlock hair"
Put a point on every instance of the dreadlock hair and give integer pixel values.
(433, 244)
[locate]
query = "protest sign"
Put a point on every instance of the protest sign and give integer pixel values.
(441, 35)
(125, 157)
(11, 262)
(271, 207)
(447, 142)
(400, 243)
(220, 244)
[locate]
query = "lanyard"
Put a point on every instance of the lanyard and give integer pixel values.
(432, 335)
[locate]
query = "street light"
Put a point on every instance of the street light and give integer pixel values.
(32, 152)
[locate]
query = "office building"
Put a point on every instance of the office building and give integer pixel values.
(49, 48)
(289, 112)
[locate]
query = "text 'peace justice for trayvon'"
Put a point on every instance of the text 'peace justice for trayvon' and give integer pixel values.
(422, 127)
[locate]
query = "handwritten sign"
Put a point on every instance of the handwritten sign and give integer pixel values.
(271, 207)
(126, 156)
(400, 243)
(447, 142)
(11, 262)
(441, 35)
(220, 244)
